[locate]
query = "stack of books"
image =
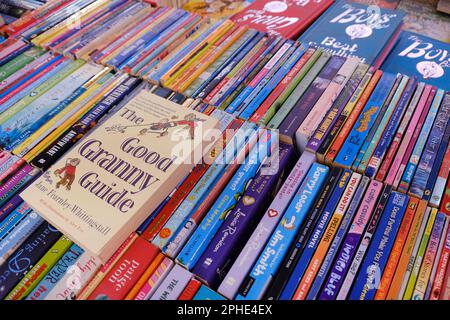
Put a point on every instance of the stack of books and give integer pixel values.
(151, 153)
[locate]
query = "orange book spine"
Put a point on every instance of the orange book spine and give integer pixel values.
(332, 228)
(397, 249)
(143, 279)
(402, 265)
(348, 125)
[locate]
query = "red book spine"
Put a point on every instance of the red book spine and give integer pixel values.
(190, 290)
(126, 272)
(160, 220)
(445, 204)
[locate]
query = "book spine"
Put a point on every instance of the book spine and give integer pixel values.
(394, 257)
(237, 227)
(420, 144)
(30, 252)
(339, 105)
(385, 141)
(75, 279)
(190, 291)
(374, 263)
(373, 137)
(13, 218)
(435, 265)
(287, 100)
(342, 231)
(409, 290)
(359, 254)
(225, 203)
(441, 267)
(306, 103)
(185, 230)
(294, 251)
(436, 182)
(205, 293)
(9, 207)
(131, 295)
(429, 154)
(428, 258)
(56, 149)
(55, 275)
(173, 285)
(355, 139)
(409, 118)
(410, 140)
(235, 276)
(323, 105)
(300, 266)
(185, 209)
(395, 291)
(126, 271)
(18, 235)
(345, 255)
(155, 280)
(285, 65)
(445, 204)
(328, 236)
(253, 87)
(106, 267)
(268, 107)
(40, 269)
(266, 266)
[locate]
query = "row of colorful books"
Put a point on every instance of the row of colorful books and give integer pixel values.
(11, 10)
(324, 202)
(222, 208)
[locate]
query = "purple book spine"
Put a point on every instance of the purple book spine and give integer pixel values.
(243, 264)
(22, 173)
(9, 207)
(295, 118)
(218, 258)
(26, 256)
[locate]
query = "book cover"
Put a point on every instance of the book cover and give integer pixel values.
(102, 190)
(422, 57)
(288, 18)
(353, 29)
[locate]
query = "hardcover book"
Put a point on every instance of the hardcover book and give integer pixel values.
(422, 57)
(106, 185)
(352, 29)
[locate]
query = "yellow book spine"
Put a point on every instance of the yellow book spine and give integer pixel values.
(195, 55)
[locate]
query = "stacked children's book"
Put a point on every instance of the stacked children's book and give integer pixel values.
(300, 150)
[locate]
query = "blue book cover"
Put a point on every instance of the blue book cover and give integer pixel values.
(353, 29)
(421, 57)
(366, 284)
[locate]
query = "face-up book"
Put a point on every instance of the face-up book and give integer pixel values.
(288, 18)
(422, 57)
(352, 29)
(113, 178)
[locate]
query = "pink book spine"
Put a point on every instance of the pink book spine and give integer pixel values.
(155, 280)
(411, 137)
(4, 156)
(408, 136)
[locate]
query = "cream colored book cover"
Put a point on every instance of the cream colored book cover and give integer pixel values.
(107, 184)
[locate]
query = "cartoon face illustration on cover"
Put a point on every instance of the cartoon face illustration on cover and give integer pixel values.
(161, 129)
(66, 174)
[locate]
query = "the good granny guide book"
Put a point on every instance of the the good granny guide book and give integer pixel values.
(106, 186)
